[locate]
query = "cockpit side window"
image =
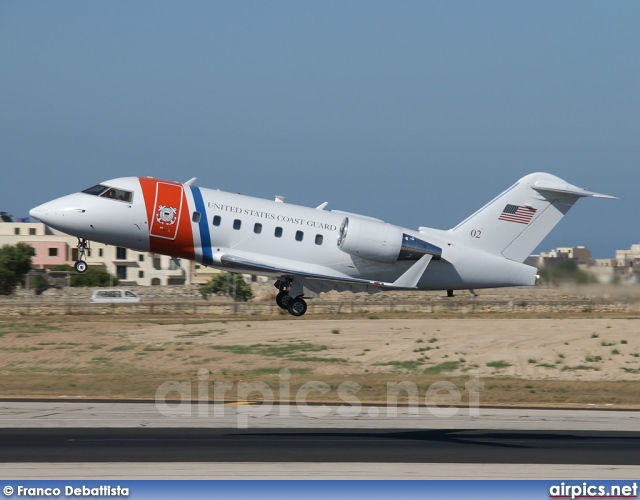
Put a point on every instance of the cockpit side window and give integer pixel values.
(96, 190)
(109, 192)
(118, 194)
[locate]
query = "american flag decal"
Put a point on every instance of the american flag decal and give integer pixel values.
(519, 214)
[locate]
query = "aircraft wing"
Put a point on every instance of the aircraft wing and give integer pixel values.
(408, 280)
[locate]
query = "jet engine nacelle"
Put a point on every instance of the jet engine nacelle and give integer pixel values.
(376, 240)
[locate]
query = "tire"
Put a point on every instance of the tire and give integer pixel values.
(297, 307)
(283, 298)
(81, 266)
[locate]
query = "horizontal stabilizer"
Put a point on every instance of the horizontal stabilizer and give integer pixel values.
(557, 187)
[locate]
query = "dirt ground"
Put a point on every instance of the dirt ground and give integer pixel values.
(590, 361)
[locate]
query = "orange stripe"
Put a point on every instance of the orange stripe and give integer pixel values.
(167, 218)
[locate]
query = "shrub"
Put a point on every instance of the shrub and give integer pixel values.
(226, 284)
(15, 263)
(93, 276)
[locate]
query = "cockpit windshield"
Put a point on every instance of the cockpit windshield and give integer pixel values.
(109, 192)
(96, 190)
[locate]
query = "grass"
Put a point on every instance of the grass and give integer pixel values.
(279, 351)
(316, 359)
(447, 366)
(100, 359)
(580, 367)
(498, 364)
(276, 371)
(631, 370)
(21, 349)
(593, 359)
(138, 374)
(336, 331)
(121, 348)
(405, 365)
(422, 349)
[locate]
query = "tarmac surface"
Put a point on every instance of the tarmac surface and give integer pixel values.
(319, 445)
(112, 440)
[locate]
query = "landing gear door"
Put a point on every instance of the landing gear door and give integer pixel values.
(166, 212)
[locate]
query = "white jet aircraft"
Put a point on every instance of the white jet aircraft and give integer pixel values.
(313, 249)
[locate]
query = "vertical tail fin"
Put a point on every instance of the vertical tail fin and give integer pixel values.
(515, 222)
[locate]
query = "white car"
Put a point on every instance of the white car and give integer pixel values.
(115, 297)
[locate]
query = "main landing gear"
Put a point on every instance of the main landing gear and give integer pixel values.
(81, 265)
(289, 299)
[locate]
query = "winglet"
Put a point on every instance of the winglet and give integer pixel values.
(322, 206)
(190, 181)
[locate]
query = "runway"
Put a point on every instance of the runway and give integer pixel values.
(319, 445)
(82, 440)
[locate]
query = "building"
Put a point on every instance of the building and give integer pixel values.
(130, 266)
(580, 255)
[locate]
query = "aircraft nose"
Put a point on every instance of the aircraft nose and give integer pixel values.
(41, 212)
(59, 213)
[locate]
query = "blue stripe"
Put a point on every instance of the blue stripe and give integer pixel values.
(203, 225)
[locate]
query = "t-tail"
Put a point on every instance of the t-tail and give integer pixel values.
(515, 222)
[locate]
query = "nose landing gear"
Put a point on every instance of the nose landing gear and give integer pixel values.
(286, 300)
(80, 265)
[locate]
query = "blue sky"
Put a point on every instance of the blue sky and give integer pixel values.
(414, 112)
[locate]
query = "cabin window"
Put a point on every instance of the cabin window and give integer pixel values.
(237, 224)
(257, 228)
(216, 220)
(195, 217)
(319, 239)
(278, 232)
(299, 235)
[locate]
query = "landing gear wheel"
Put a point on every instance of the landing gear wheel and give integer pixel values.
(283, 298)
(297, 307)
(81, 265)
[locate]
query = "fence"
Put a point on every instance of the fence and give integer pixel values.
(348, 306)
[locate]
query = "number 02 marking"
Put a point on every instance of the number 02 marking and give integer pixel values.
(475, 233)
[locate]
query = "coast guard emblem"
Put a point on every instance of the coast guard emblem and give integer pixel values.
(166, 215)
